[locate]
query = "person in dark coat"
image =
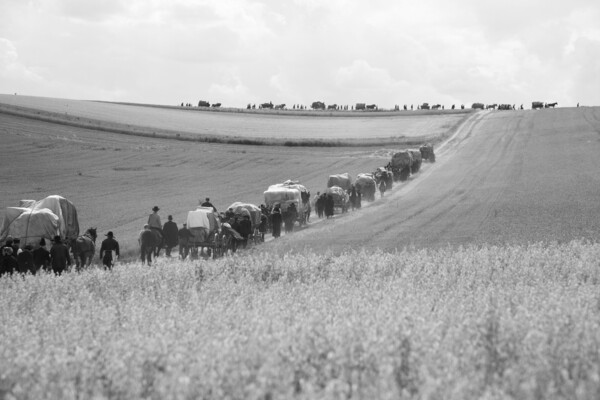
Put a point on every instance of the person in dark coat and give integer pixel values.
(290, 218)
(276, 220)
(59, 256)
(8, 262)
(16, 247)
(235, 225)
(262, 228)
(106, 250)
(329, 206)
(353, 197)
(8, 243)
(41, 256)
(170, 232)
(25, 260)
(320, 204)
(184, 236)
(207, 203)
(382, 187)
(245, 226)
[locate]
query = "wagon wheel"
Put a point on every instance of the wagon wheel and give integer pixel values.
(193, 252)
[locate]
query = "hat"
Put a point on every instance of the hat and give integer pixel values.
(57, 239)
(28, 247)
(42, 242)
(170, 217)
(155, 208)
(16, 240)
(207, 199)
(184, 224)
(109, 234)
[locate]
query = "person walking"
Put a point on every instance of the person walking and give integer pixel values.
(245, 227)
(329, 206)
(8, 262)
(41, 256)
(184, 236)
(171, 231)
(320, 203)
(108, 246)
(353, 197)
(25, 260)
(59, 256)
(276, 220)
(290, 218)
(262, 227)
(382, 187)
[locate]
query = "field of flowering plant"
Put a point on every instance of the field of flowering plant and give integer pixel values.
(456, 323)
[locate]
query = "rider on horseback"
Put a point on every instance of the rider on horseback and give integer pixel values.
(154, 221)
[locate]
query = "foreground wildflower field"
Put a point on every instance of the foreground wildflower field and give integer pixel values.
(456, 323)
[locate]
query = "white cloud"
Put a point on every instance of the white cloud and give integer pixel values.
(303, 50)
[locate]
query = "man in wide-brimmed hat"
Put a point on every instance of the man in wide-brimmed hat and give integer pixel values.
(154, 220)
(170, 231)
(59, 256)
(108, 246)
(41, 256)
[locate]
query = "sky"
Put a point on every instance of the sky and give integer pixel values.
(235, 52)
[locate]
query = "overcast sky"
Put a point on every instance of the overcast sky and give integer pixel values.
(297, 51)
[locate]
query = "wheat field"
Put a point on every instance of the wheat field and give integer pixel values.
(487, 322)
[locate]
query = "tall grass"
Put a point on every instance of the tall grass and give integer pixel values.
(490, 322)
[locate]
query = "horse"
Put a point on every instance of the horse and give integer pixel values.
(150, 242)
(83, 248)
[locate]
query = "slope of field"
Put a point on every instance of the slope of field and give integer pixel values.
(507, 177)
(259, 128)
(114, 180)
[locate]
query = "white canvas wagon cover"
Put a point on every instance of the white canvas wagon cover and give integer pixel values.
(341, 180)
(33, 216)
(203, 217)
(282, 195)
(29, 225)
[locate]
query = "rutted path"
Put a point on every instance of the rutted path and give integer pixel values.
(504, 177)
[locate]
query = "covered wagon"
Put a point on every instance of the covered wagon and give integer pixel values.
(341, 180)
(287, 193)
(427, 152)
(205, 227)
(401, 164)
(417, 160)
(340, 198)
(33, 220)
(247, 209)
(367, 186)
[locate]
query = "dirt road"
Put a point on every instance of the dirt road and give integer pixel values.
(506, 177)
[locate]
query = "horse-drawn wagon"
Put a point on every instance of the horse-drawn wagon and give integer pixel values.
(341, 180)
(401, 164)
(252, 211)
(287, 193)
(367, 186)
(340, 197)
(205, 227)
